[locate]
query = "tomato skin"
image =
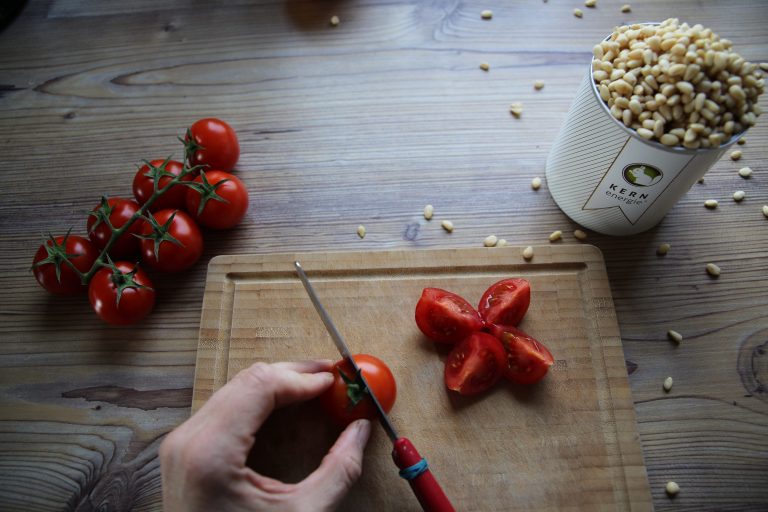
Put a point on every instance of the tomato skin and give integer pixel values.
(505, 302)
(445, 317)
(336, 403)
(125, 247)
(70, 283)
(173, 258)
(135, 303)
(218, 214)
(527, 360)
(474, 364)
(219, 148)
(144, 186)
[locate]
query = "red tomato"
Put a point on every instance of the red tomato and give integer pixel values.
(74, 248)
(474, 364)
(215, 144)
(446, 317)
(120, 211)
(174, 245)
(527, 360)
(224, 198)
(144, 185)
(506, 302)
(345, 402)
(134, 287)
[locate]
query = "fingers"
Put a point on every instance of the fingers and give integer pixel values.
(312, 366)
(328, 484)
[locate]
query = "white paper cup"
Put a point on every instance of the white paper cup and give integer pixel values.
(607, 178)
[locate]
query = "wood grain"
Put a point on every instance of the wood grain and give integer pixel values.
(363, 123)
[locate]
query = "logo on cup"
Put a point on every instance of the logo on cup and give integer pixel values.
(642, 175)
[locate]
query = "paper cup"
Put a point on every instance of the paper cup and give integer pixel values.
(607, 178)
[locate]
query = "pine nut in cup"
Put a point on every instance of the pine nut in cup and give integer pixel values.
(667, 100)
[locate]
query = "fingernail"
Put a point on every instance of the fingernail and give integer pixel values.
(362, 431)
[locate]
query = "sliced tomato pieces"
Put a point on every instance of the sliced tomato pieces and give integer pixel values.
(475, 364)
(527, 360)
(446, 317)
(506, 302)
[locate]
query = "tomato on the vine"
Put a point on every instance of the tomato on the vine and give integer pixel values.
(162, 172)
(121, 295)
(474, 364)
(527, 360)
(219, 200)
(53, 272)
(213, 143)
(506, 302)
(446, 317)
(119, 211)
(346, 401)
(171, 241)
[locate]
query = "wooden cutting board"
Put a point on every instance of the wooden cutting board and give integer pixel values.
(567, 443)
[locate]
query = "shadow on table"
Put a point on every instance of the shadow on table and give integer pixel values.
(9, 10)
(313, 15)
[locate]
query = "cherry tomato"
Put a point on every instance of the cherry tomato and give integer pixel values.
(134, 287)
(475, 364)
(506, 302)
(527, 360)
(120, 211)
(74, 248)
(224, 197)
(216, 144)
(446, 317)
(345, 401)
(174, 245)
(144, 185)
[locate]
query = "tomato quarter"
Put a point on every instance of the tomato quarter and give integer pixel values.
(119, 211)
(346, 402)
(173, 241)
(224, 200)
(446, 317)
(215, 144)
(53, 254)
(527, 360)
(474, 364)
(506, 302)
(144, 184)
(123, 295)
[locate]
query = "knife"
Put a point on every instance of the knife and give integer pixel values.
(413, 467)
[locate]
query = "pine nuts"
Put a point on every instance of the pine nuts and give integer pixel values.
(335, 21)
(516, 109)
(765, 210)
(739, 196)
(428, 211)
(538, 85)
(486, 14)
(626, 8)
(590, 3)
(447, 225)
(578, 13)
(663, 249)
(361, 231)
(713, 270)
(579, 235)
(672, 489)
(675, 336)
(668, 384)
(536, 183)
(745, 172)
(555, 236)
(491, 241)
(741, 141)
(736, 155)
(501, 243)
(711, 203)
(528, 253)
(696, 89)
(485, 66)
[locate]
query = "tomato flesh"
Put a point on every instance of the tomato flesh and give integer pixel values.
(475, 364)
(527, 360)
(445, 317)
(505, 302)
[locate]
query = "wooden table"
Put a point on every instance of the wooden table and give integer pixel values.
(364, 123)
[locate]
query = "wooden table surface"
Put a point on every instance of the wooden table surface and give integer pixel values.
(364, 123)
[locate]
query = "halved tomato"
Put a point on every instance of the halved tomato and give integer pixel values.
(506, 302)
(475, 364)
(446, 317)
(527, 360)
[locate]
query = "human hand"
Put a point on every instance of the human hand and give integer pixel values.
(203, 461)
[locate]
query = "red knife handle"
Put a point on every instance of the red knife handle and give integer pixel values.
(414, 469)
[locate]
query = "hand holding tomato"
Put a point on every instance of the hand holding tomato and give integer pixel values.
(203, 461)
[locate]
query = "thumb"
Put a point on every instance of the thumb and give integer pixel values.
(341, 467)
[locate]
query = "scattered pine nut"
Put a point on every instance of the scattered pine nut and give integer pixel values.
(663, 249)
(672, 488)
(536, 183)
(447, 225)
(361, 231)
(528, 253)
(538, 85)
(713, 269)
(501, 243)
(739, 196)
(580, 235)
(335, 21)
(555, 236)
(578, 13)
(491, 241)
(675, 336)
(741, 141)
(667, 384)
(701, 180)
(486, 14)
(765, 210)
(745, 172)
(590, 3)
(516, 109)
(736, 155)
(711, 203)
(485, 66)
(626, 8)
(428, 211)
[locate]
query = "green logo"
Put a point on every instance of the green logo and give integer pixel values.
(642, 175)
